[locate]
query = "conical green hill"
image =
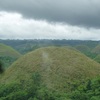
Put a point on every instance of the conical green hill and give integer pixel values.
(58, 67)
(8, 51)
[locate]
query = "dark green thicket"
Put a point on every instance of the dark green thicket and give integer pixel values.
(88, 90)
(1, 67)
(7, 61)
(33, 91)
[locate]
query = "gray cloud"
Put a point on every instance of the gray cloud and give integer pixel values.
(75, 12)
(14, 26)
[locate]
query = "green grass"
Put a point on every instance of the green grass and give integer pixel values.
(8, 51)
(59, 67)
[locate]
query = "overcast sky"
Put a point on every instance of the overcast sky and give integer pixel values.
(50, 19)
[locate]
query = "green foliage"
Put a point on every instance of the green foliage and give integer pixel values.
(87, 90)
(90, 54)
(8, 55)
(7, 61)
(1, 67)
(90, 90)
(35, 91)
(9, 88)
(36, 78)
(20, 95)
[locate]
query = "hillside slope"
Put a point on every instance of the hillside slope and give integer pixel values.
(96, 49)
(58, 67)
(8, 51)
(97, 58)
(8, 55)
(82, 48)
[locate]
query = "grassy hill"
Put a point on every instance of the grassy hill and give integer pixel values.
(8, 55)
(86, 50)
(8, 51)
(58, 67)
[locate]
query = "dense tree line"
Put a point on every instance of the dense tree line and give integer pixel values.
(89, 90)
(63, 42)
(35, 91)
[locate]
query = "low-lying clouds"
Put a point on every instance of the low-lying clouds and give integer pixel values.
(14, 26)
(85, 13)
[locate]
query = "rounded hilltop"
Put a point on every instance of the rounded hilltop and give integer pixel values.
(58, 67)
(8, 51)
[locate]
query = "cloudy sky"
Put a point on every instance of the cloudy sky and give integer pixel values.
(50, 19)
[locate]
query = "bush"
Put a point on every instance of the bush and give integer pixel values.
(1, 67)
(90, 90)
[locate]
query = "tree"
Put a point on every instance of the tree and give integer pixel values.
(1, 67)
